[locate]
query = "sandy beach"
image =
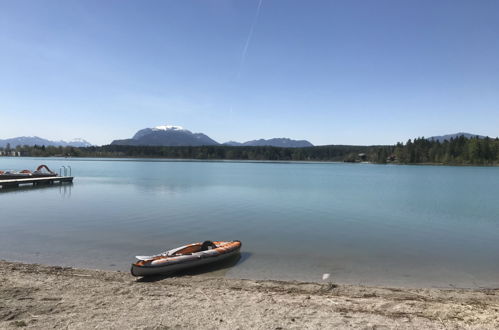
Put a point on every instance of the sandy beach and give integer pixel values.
(42, 297)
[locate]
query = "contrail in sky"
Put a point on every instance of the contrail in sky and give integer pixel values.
(250, 35)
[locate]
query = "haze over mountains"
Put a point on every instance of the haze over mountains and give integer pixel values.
(35, 140)
(169, 135)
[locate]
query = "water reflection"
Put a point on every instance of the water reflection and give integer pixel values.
(160, 188)
(63, 188)
(372, 224)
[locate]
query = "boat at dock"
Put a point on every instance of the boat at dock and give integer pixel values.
(184, 257)
(41, 171)
(41, 176)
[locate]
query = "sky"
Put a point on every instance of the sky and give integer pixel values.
(331, 72)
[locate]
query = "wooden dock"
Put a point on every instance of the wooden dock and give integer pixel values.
(12, 183)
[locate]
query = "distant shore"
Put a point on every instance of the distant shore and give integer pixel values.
(36, 296)
(132, 158)
(459, 151)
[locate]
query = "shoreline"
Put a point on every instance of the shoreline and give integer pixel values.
(263, 161)
(37, 296)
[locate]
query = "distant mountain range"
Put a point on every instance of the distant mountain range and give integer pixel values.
(169, 135)
(35, 140)
(277, 142)
(447, 137)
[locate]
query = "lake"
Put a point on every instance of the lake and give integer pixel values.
(432, 226)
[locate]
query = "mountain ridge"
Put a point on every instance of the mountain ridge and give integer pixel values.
(35, 140)
(167, 135)
(274, 142)
(442, 138)
(170, 135)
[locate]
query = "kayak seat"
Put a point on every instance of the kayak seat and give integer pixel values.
(207, 245)
(188, 250)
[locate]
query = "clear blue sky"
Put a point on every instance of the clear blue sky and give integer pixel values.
(332, 72)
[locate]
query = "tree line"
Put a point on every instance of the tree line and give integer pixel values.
(458, 151)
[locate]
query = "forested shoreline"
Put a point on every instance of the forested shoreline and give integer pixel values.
(458, 151)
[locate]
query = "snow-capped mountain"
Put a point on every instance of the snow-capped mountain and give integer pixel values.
(35, 140)
(168, 127)
(170, 135)
(167, 135)
(77, 142)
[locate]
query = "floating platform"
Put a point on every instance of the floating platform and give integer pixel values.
(13, 183)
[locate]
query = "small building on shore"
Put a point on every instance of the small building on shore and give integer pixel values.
(11, 153)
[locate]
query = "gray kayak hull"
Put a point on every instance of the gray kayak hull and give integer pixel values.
(173, 268)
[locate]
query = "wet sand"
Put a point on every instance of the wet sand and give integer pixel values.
(41, 297)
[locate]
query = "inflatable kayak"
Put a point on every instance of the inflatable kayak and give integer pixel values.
(187, 256)
(27, 174)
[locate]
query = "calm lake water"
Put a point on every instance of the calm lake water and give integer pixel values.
(361, 223)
